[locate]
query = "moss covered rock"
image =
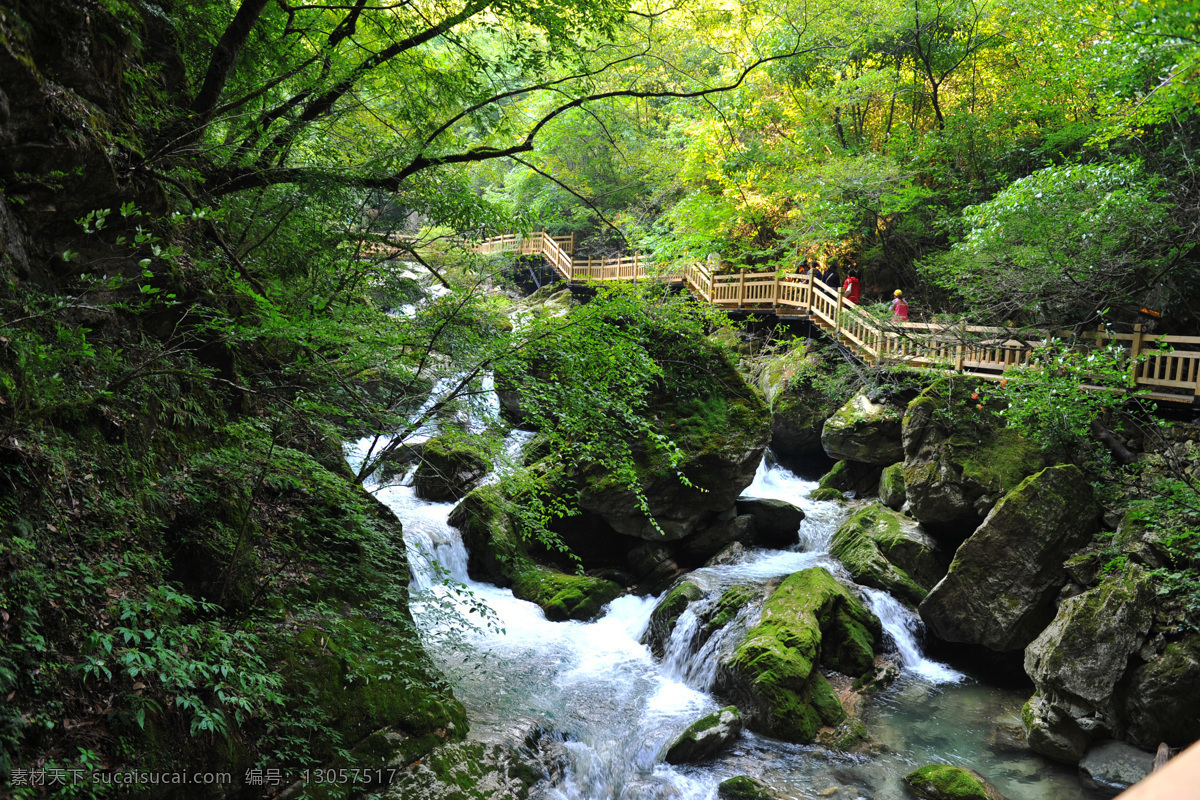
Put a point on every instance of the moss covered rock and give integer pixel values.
(1162, 696)
(960, 460)
(705, 737)
(825, 494)
(469, 771)
(1078, 661)
(772, 676)
(891, 486)
(864, 431)
(495, 552)
(801, 386)
(743, 787)
(563, 596)
(851, 476)
(944, 782)
(666, 614)
(888, 551)
(1001, 586)
(450, 467)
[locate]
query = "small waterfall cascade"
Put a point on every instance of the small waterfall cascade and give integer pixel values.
(618, 708)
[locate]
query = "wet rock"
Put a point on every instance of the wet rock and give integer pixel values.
(743, 787)
(494, 550)
(469, 771)
(563, 597)
(705, 737)
(888, 551)
(652, 565)
(1162, 696)
(799, 393)
(851, 476)
(772, 676)
(864, 431)
(891, 486)
(1052, 731)
(958, 461)
(666, 614)
(708, 542)
(825, 494)
(730, 554)
(776, 522)
(449, 469)
(1114, 766)
(1000, 589)
(944, 782)
(1082, 654)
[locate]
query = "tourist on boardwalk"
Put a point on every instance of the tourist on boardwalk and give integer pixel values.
(830, 277)
(899, 307)
(853, 286)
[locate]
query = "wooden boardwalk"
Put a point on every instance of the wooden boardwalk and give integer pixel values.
(1167, 367)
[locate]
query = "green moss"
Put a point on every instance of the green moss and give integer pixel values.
(494, 550)
(562, 596)
(732, 601)
(999, 460)
(810, 618)
(825, 494)
(743, 787)
(667, 612)
(861, 544)
(943, 782)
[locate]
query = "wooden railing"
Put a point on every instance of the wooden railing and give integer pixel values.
(1167, 366)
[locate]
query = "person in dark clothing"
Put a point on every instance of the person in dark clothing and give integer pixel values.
(830, 278)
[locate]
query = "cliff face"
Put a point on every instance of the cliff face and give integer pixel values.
(189, 576)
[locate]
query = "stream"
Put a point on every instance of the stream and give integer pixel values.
(619, 708)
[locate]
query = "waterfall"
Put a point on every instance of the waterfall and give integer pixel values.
(903, 627)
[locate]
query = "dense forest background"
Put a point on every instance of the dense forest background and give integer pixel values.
(197, 216)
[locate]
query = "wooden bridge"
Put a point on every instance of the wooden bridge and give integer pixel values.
(1167, 367)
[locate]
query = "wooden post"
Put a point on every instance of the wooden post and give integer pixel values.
(961, 350)
(808, 294)
(741, 288)
(837, 315)
(1100, 336)
(1135, 350)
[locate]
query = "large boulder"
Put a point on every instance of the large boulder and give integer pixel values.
(450, 467)
(776, 522)
(958, 459)
(705, 737)
(944, 782)
(851, 476)
(891, 486)
(667, 612)
(1113, 766)
(811, 620)
(800, 386)
(1000, 589)
(889, 551)
(708, 542)
(1077, 662)
(1161, 697)
(561, 596)
(865, 431)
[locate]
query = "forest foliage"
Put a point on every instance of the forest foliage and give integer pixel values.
(202, 297)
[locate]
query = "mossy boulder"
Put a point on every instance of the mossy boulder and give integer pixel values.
(366, 675)
(864, 431)
(891, 486)
(450, 467)
(811, 620)
(888, 551)
(705, 737)
(563, 596)
(944, 782)
(800, 387)
(1081, 658)
(743, 787)
(722, 432)
(851, 476)
(666, 614)
(960, 460)
(825, 494)
(469, 771)
(495, 552)
(1001, 586)
(1161, 697)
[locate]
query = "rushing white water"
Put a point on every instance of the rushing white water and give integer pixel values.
(619, 708)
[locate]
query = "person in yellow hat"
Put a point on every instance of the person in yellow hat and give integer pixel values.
(899, 307)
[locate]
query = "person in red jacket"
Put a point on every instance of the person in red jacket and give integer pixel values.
(853, 287)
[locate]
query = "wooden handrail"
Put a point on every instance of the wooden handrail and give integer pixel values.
(990, 350)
